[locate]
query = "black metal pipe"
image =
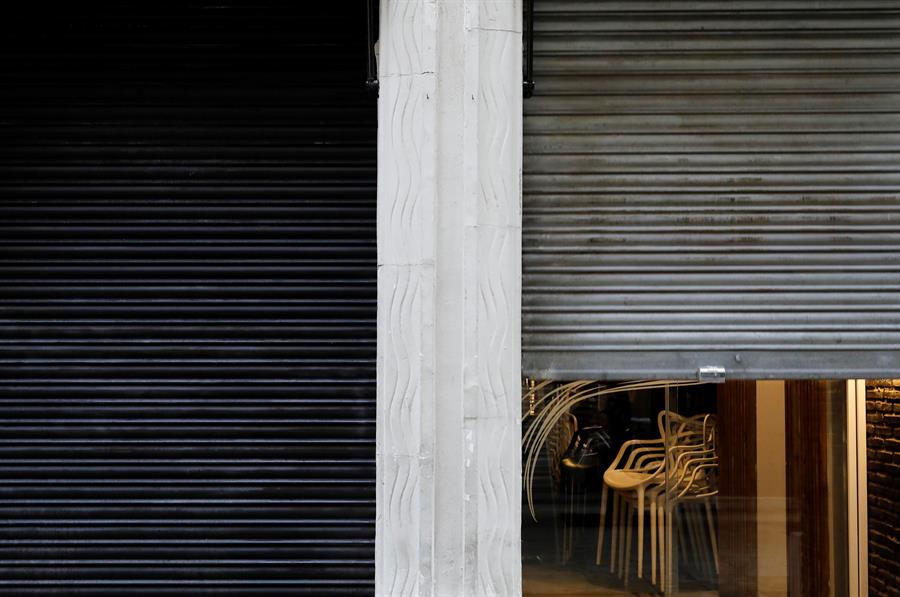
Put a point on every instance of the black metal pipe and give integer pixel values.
(372, 39)
(528, 50)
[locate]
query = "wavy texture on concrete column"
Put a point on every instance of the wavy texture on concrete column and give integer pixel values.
(406, 185)
(449, 260)
(494, 104)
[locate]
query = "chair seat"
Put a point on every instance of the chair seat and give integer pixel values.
(625, 479)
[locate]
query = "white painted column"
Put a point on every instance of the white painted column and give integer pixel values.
(449, 293)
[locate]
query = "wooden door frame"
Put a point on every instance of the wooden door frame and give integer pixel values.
(857, 489)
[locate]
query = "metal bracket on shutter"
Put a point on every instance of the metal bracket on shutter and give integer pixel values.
(711, 374)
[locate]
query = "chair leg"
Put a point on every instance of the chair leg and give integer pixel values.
(624, 529)
(614, 533)
(700, 554)
(702, 543)
(571, 519)
(604, 491)
(682, 535)
(707, 545)
(714, 544)
(582, 522)
(627, 553)
(652, 539)
(661, 523)
(640, 533)
(670, 545)
(565, 522)
(565, 519)
(690, 544)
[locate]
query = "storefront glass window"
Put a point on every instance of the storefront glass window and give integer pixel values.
(685, 488)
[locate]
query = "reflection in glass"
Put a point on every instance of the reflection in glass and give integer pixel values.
(684, 488)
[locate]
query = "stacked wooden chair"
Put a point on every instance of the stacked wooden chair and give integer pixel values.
(651, 479)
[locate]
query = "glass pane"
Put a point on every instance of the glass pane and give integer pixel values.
(587, 446)
(687, 489)
(690, 532)
(759, 506)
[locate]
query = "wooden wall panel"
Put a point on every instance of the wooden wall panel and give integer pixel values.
(737, 489)
(807, 488)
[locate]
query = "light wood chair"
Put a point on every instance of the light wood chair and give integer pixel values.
(628, 483)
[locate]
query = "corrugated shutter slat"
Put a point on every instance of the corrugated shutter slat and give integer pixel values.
(187, 301)
(713, 183)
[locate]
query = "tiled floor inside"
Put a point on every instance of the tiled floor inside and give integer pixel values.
(547, 580)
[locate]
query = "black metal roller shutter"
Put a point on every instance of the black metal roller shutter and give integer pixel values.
(187, 300)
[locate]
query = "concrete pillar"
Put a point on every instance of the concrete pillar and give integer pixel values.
(449, 294)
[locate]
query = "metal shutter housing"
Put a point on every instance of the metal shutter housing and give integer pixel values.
(713, 183)
(187, 300)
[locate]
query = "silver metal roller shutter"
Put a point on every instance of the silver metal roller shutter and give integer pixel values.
(713, 183)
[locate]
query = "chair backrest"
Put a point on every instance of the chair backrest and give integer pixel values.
(695, 460)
